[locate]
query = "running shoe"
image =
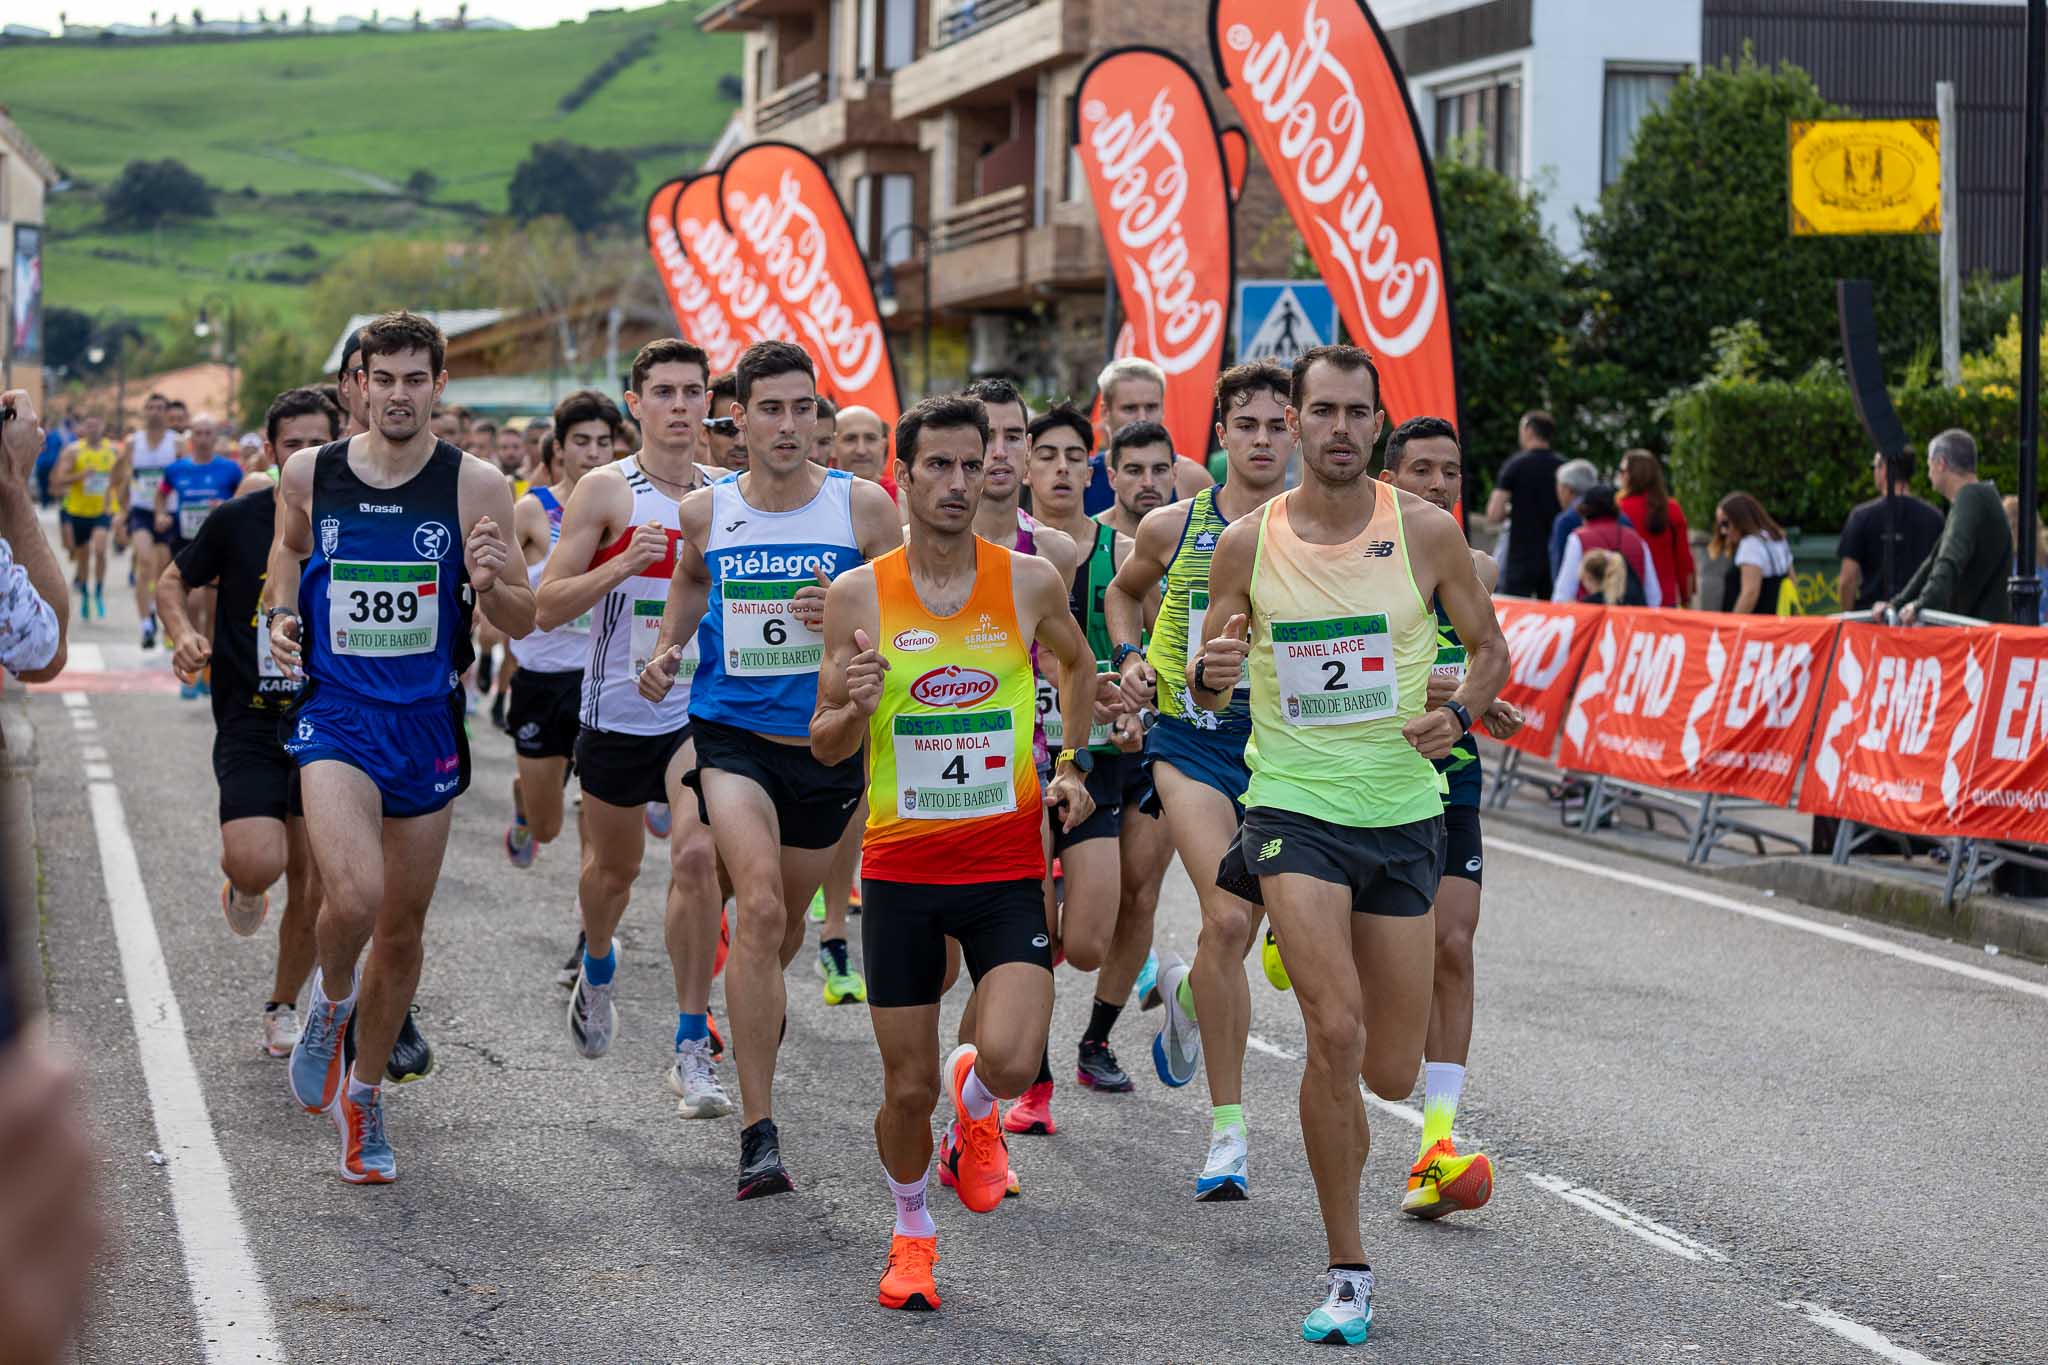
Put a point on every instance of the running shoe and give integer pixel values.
(1032, 1113)
(498, 712)
(1269, 958)
(99, 602)
(1443, 1182)
(843, 985)
(366, 1155)
(1177, 1050)
(412, 1059)
(693, 1080)
(188, 691)
(853, 898)
(149, 632)
(724, 937)
(656, 815)
(280, 1030)
(593, 1014)
(817, 910)
(245, 913)
(949, 1138)
(717, 1038)
(761, 1170)
(908, 1283)
(566, 977)
(1346, 1313)
(1097, 1068)
(315, 1071)
(1223, 1175)
(206, 683)
(519, 845)
(981, 1160)
(1148, 983)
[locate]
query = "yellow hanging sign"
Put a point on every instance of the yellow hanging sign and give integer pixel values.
(1851, 176)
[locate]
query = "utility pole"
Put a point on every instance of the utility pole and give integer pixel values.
(2026, 588)
(1951, 231)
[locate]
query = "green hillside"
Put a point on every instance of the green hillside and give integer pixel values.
(306, 140)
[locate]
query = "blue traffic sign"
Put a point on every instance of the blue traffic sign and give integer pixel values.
(1283, 318)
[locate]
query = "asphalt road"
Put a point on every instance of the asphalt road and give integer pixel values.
(1716, 1133)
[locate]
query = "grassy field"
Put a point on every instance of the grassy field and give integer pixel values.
(306, 141)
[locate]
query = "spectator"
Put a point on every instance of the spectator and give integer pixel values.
(1526, 495)
(1967, 572)
(50, 1225)
(1603, 531)
(1918, 527)
(824, 434)
(1762, 560)
(1574, 477)
(46, 460)
(2012, 524)
(1656, 516)
(35, 606)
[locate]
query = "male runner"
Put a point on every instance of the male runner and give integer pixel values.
(1424, 458)
(531, 436)
(191, 488)
(860, 446)
(448, 424)
(350, 388)
(1343, 827)
(85, 476)
(147, 454)
(1133, 389)
(725, 446)
(1114, 861)
(547, 690)
(824, 434)
(262, 825)
(179, 418)
(617, 550)
(1196, 757)
(510, 452)
(1141, 462)
(393, 525)
(928, 662)
(751, 568)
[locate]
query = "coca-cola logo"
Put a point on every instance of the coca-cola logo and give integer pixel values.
(786, 236)
(1316, 124)
(700, 314)
(1143, 169)
(954, 686)
(750, 302)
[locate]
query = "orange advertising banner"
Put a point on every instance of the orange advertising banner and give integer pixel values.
(1547, 646)
(1155, 167)
(791, 232)
(1935, 731)
(1325, 102)
(699, 310)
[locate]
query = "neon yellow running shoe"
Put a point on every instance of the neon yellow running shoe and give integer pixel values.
(818, 906)
(843, 985)
(1276, 970)
(1443, 1182)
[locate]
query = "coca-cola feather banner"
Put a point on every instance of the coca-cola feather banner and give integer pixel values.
(1324, 102)
(699, 307)
(1155, 167)
(786, 223)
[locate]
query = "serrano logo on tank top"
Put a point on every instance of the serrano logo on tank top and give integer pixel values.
(955, 686)
(915, 641)
(752, 564)
(987, 634)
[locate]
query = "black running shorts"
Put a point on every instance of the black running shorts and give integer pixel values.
(812, 801)
(258, 779)
(1389, 871)
(542, 713)
(625, 770)
(1464, 854)
(904, 927)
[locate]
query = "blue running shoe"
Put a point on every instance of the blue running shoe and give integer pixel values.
(1177, 1049)
(1148, 983)
(1346, 1315)
(188, 691)
(1223, 1175)
(316, 1065)
(658, 819)
(519, 845)
(366, 1155)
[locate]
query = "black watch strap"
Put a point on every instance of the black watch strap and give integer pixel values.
(1457, 709)
(1201, 683)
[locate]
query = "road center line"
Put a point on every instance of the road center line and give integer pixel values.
(1628, 1220)
(1777, 917)
(228, 1294)
(1869, 1338)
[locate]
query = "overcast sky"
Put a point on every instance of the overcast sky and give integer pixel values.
(525, 13)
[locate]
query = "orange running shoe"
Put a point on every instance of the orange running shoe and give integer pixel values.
(724, 938)
(908, 1282)
(948, 1140)
(1032, 1113)
(1443, 1182)
(981, 1161)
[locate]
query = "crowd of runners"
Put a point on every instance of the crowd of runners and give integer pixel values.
(976, 680)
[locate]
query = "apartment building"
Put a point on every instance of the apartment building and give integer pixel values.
(25, 175)
(946, 126)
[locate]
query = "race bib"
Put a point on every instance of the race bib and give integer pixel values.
(96, 482)
(266, 666)
(1450, 662)
(763, 638)
(955, 766)
(1198, 616)
(1055, 726)
(1335, 671)
(192, 513)
(647, 637)
(147, 481)
(382, 610)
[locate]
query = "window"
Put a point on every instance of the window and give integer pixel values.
(1632, 92)
(899, 33)
(1481, 121)
(881, 205)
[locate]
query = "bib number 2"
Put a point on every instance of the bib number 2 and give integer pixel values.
(1336, 671)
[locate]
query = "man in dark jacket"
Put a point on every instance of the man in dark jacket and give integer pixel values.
(1967, 572)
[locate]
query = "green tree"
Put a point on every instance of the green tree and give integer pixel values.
(585, 185)
(150, 192)
(1694, 236)
(273, 360)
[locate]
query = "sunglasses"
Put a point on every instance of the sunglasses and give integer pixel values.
(724, 426)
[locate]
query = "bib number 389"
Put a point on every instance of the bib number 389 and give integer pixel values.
(383, 610)
(1336, 671)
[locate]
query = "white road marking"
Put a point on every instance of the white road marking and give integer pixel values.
(1777, 917)
(228, 1294)
(1627, 1219)
(86, 658)
(74, 700)
(99, 772)
(92, 753)
(1407, 1113)
(1869, 1338)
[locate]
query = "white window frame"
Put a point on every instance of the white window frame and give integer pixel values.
(1674, 70)
(1487, 76)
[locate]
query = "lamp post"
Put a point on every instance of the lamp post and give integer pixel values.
(886, 302)
(202, 328)
(2025, 587)
(110, 338)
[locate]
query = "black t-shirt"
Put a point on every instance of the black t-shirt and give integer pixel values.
(232, 554)
(1863, 541)
(1530, 479)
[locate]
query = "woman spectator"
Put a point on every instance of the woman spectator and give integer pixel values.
(1762, 560)
(2012, 521)
(1649, 507)
(1603, 531)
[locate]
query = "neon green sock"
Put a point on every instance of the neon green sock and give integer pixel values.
(1222, 1116)
(1186, 996)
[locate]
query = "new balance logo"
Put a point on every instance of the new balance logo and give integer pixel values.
(1269, 850)
(1379, 549)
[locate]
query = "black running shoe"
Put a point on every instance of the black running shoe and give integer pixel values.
(1098, 1070)
(761, 1169)
(412, 1057)
(566, 978)
(498, 711)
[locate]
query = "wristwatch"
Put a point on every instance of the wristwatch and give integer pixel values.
(1121, 652)
(1082, 759)
(271, 614)
(1464, 717)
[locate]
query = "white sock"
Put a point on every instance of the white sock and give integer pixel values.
(976, 1098)
(320, 990)
(358, 1091)
(913, 1219)
(1443, 1081)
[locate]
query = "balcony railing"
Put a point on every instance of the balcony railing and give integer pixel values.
(792, 101)
(965, 18)
(986, 218)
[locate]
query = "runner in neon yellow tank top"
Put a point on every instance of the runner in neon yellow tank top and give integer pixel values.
(1323, 600)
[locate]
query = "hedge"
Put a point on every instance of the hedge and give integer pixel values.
(1797, 446)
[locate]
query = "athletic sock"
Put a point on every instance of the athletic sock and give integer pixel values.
(1186, 995)
(1223, 1117)
(1355, 1267)
(1044, 1066)
(976, 1098)
(692, 1028)
(913, 1219)
(358, 1093)
(1442, 1083)
(1101, 1019)
(320, 991)
(598, 970)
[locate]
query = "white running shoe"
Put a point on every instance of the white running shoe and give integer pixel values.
(1346, 1313)
(245, 913)
(1223, 1174)
(280, 1030)
(693, 1079)
(593, 1013)
(1177, 1049)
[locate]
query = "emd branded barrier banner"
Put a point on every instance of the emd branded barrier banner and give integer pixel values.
(1322, 98)
(700, 312)
(1547, 647)
(1155, 168)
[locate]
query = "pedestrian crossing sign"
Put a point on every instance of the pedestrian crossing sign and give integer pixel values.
(1283, 318)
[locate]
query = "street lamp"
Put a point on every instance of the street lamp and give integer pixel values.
(202, 328)
(888, 304)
